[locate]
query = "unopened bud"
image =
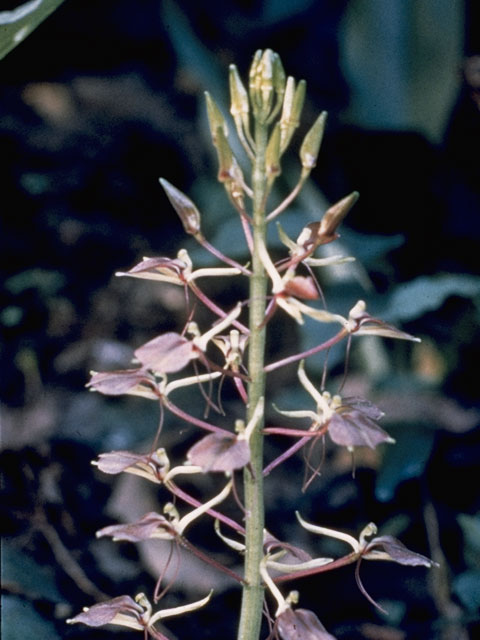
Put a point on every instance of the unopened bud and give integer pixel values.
(186, 210)
(292, 110)
(311, 143)
(279, 77)
(272, 155)
(266, 82)
(239, 106)
(225, 157)
(215, 118)
(229, 171)
(335, 214)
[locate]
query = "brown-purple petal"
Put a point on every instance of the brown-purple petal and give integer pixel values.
(104, 612)
(335, 214)
(294, 555)
(365, 406)
(219, 452)
(301, 624)
(117, 461)
(167, 353)
(159, 265)
(355, 429)
(185, 208)
(143, 529)
(117, 383)
(302, 287)
(398, 552)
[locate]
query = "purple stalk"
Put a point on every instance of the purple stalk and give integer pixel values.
(210, 560)
(213, 307)
(341, 562)
(285, 455)
(180, 493)
(306, 354)
(196, 421)
(218, 254)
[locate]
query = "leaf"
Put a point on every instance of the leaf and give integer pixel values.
(47, 282)
(427, 293)
(219, 452)
(369, 249)
(301, 624)
(19, 23)
(167, 353)
(143, 529)
(105, 612)
(22, 574)
(192, 54)
(354, 428)
(277, 12)
(135, 382)
(18, 614)
(428, 408)
(467, 588)
(471, 536)
(406, 460)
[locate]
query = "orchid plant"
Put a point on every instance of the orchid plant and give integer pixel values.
(265, 117)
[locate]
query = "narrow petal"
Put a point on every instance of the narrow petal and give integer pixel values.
(137, 382)
(397, 552)
(124, 609)
(149, 526)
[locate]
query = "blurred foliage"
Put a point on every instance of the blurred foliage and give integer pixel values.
(16, 25)
(413, 299)
(87, 133)
(21, 573)
(466, 585)
(18, 615)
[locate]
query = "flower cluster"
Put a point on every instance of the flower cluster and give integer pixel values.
(266, 115)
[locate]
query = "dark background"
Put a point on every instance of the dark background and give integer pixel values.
(99, 102)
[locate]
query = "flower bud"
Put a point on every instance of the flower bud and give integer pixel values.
(229, 171)
(292, 109)
(334, 216)
(272, 156)
(239, 106)
(215, 118)
(186, 210)
(266, 82)
(225, 157)
(279, 78)
(311, 143)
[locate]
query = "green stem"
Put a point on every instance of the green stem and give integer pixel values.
(252, 595)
